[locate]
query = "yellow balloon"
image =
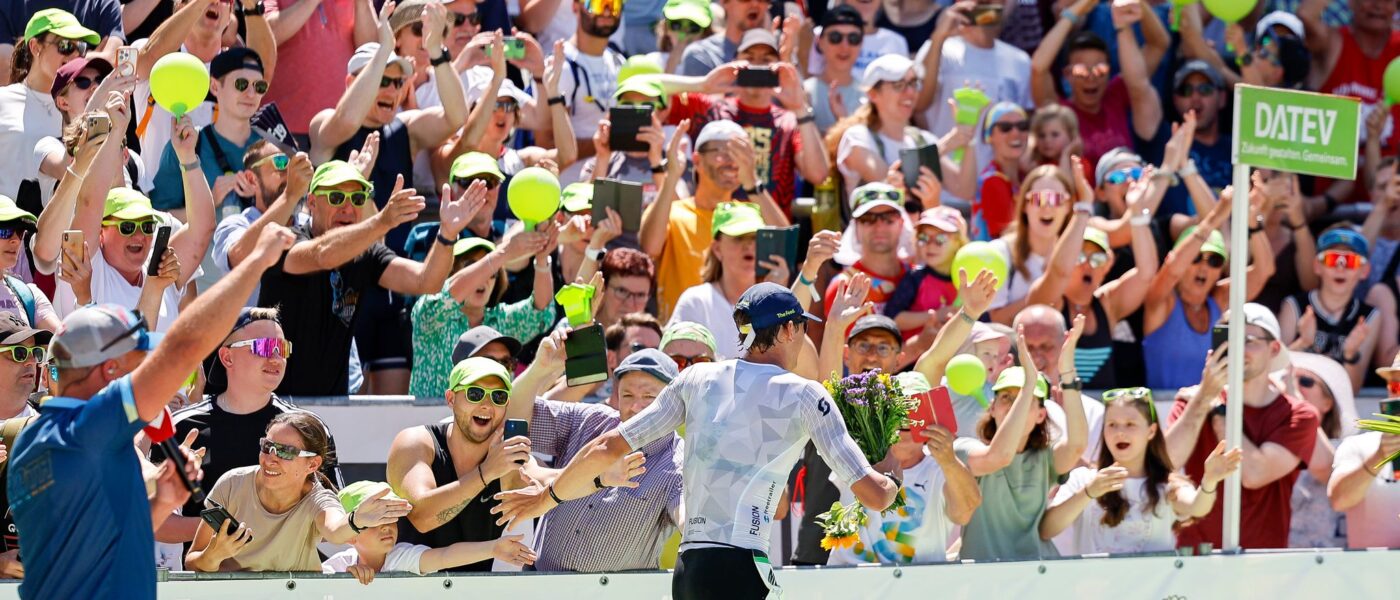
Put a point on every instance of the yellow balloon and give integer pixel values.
(179, 82)
(533, 195)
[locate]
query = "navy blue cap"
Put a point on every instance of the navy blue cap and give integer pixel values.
(768, 304)
(650, 361)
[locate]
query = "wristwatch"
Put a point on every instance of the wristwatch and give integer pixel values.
(190, 166)
(598, 483)
(256, 11)
(595, 254)
(659, 168)
(1075, 384)
(1188, 169)
(442, 59)
(757, 189)
(444, 241)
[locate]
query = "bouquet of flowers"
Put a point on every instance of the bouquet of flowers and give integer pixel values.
(874, 408)
(1390, 424)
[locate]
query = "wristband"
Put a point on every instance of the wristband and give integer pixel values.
(444, 241)
(70, 170)
(1091, 496)
(1070, 15)
(557, 499)
(353, 527)
(190, 166)
(1084, 207)
(1141, 219)
(1206, 491)
(556, 100)
(966, 317)
(808, 118)
(1355, 358)
(598, 483)
(442, 59)
(1075, 384)
(661, 168)
(1188, 169)
(756, 189)
(595, 254)
(256, 11)
(482, 476)
(802, 279)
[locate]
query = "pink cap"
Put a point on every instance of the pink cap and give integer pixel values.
(944, 218)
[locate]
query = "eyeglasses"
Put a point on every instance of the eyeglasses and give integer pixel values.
(1204, 88)
(1022, 126)
(683, 361)
(912, 84)
(1213, 260)
(638, 347)
(1132, 393)
(880, 350)
(597, 7)
(386, 81)
(1083, 71)
(283, 451)
(458, 19)
(21, 354)
(654, 105)
(1095, 259)
(507, 105)
(69, 47)
(684, 26)
(938, 239)
(279, 161)
(337, 197)
(1123, 175)
(1046, 198)
(466, 182)
(1344, 260)
(9, 232)
(266, 347)
(626, 295)
(883, 217)
(1306, 381)
(853, 38)
(241, 84)
(475, 394)
(128, 228)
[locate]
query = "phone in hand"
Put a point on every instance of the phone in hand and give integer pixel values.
(514, 48)
(781, 241)
(72, 245)
(626, 122)
(935, 408)
(126, 61)
(158, 250)
(514, 428)
(910, 159)
(216, 516)
(586, 356)
(984, 15)
(1219, 335)
(625, 197)
(98, 124)
(757, 77)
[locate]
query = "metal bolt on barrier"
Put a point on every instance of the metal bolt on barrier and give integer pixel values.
(898, 573)
(291, 585)
(603, 580)
(447, 584)
(1319, 559)
(1180, 563)
(1041, 569)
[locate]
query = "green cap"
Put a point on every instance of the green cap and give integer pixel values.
(60, 23)
(126, 204)
(643, 84)
(1015, 377)
(336, 172)
(474, 369)
(473, 164)
(1214, 242)
(9, 211)
(689, 330)
(640, 64)
(912, 382)
(352, 495)
(735, 219)
(689, 10)
(578, 197)
(1097, 237)
(466, 245)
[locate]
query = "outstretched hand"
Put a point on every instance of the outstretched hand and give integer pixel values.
(977, 294)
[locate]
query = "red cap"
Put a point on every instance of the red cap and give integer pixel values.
(72, 68)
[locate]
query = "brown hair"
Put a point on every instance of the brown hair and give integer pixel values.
(22, 60)
(314, 438)
(1040, 435)
(613, 335)
(865, 115)
(1158, 464)
(502, 281)
(763, 338)
(1021, 245)
(627, 262)
(1054, 112)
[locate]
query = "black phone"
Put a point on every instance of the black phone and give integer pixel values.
(626, 122)
(625, 197)
(910, 159)
(215, 518)
(586, 356)
(517, 427)
(781, 241)
(757, 77)
(158, 250)
(984, 15)
(1218, 336)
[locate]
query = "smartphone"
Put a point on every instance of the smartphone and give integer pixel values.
(72, 244)
(216, 516)
(625, 197)
(781, 241)
(126, 61)
(983, 15)
(517, 427)
(935, 408)
(98, 124)
(158, 250)
(586, 356)
(757, 77)
(626, 122)
(910, 159)
(1220, 334)
(515, 48)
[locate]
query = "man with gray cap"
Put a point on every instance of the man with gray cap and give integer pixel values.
(613, 529)
(22, 349)
(78, 453)
(1197, 87)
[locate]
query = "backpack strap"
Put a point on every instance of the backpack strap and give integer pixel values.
(25, 295)
(219, 156)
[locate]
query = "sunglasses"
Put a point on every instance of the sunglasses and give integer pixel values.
(386, 81)
(69, 47)
(466, 182)
(1213, 260)
(1047, 198)
(937, 238)
(139, 329)
(1082, 71)
(684, 26)
(1095, 259)
(654, 105)
(884, 217)
(1306, 381)
(1022, 126)
(907, 84)
(1132, 393)
(1123, 175)
(128, 228)
(628, 296)
(266, 347)
(21, 354)
(1205, 88)
(638, 347)
(507, 105)
(458, 19)
(683, 361)
(337, 197)
(475, 394)
(853, 38)
(1344, 260)
(241, 84)
(83, 83)
(279, 161)
(880, 350)
(283, 451)
(597, 7)
(873, 195)
(9, 232)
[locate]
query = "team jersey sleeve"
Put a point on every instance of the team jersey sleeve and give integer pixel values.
(823, 422)
(664, 415)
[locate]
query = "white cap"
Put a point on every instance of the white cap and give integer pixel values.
(874, 194)
(1278, 17)
(718, 130)
(1260, 315)
(890, 67)
(366, 52)
(477, 78)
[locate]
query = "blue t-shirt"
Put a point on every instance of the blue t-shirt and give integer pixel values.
(79, 501)
(169, 182)
(1212, 162)
(1100, 21)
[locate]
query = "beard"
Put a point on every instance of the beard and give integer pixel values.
(591, 27)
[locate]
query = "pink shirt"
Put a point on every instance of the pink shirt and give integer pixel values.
(1108, 129)
(311, 64)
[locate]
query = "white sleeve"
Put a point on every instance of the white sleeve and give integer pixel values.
(405, 558)
(1355, 450)
(1079, 479)
(665, 414)
(858, 136)
(1003, 296)
(823, 422)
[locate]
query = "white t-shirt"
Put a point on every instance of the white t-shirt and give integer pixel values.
(51, 145)
(1003, 72)
(162, 123)
(1140, 531)
(917, 533)
(108, 286)
(402, 558)
(1020, 285)
(1371, 523)
(860, 136)
(1093, 414)
(26, 116)
(588, 97)
(43, 309)
(875, 45)
(705, 304)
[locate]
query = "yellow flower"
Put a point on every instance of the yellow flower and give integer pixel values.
(840, 541)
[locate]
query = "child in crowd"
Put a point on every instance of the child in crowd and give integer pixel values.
(1331, 320)
(929, 288)
(1054, 139)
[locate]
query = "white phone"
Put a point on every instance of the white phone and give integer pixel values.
(126, 61)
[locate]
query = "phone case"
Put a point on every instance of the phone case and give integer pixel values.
(586, 356)
(126, 61)
(757, 78)
(516, 427)
(158, 250)
(775, 240)
(1219, 335)
(625, 197)
(626, 122)
(935, 408)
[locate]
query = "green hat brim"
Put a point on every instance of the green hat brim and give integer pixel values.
(466, 245)
(467, 166)
(474, 369)
(688, 11)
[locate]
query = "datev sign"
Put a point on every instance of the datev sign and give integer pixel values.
(1299, 132)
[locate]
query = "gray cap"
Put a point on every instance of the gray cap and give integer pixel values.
(14, 331)
(875, 322)
(1192, 67)
(93, 334)
(718, 131)
(650, 361)
(365, 53)
(477, 338)
(758, 36)
(1110, 161)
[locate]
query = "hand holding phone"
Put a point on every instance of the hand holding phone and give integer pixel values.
(126, 61)
(625, 122)
(72, 246)
(1220, 338)
(162, 242)
(98, 124)
(757, 77)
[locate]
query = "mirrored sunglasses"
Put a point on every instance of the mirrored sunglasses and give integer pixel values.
(337, 197)
(684, 26)
(1046, 198)
(266, 347)
(1124, 175)
(279, 161)
(938, 239)
(283, 451)
(9, 232)
(1343, 260)
(69, 47)
(683, 361)
(598, 7)
(475, 394)
(1095, 260)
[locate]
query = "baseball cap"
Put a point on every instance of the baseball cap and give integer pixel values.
(717, 131)
(14, 331)
(96, 333)
(466, 245)
(757, 36)
(476, 163)
(477, 338)
(1015, 377)
(1110, 162)
(1097, 237)
(697, 11)
(890, 67)
(352, 495)
(844, 14)
(1194, 66)
(12, 213)
(1258, 315)
(735, 219)
(577, 197)
(1278, 17)
(60, 23)
(336, 172)
(1349, 239)
(768, 304)
(688, 330)
(642, 84)
(871, 195)
(477, 79)
(70, 70)
(944, 218)
(640, 64)
(985, 332)
(474, 369)
(1393, 371)
(912, 382)
(233, 59)
(1214, 242)
(875, 323)
(126, 204)
(365, 53)
(650, 361)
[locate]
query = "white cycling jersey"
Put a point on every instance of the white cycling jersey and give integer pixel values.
(745, 426)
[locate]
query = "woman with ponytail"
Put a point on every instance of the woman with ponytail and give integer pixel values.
(1132, 503)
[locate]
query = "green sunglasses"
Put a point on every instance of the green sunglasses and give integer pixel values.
(279, 161)
(20, 354)
(475, 394)
(337, 197)
(1133, 393)
(128, 228)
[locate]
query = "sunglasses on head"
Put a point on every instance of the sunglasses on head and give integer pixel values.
(283, 451)
(1204, 88)
(507, 105)
(386, 81)
(1213, 260)
(1003, 127)
(895, 196)
(938, 239)
(20, 354)
(853, 38)
(1344, 260)
(683, 361)
(266, 347)
(279, 161)
(1095, 259)
(684, 26)
(241, 84)
(128, 228)
(466, 182)
(69, 47)
(1046, 198)
(1123, 175)
(337, 197)
(1132, 393)
(475, 394)
(655, 105)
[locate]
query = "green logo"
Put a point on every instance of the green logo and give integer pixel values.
(1299, 132)
(787, 313)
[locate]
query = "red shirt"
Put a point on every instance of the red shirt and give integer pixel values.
(1265, 513)
(772, 129)
(994, 208)
(881, 286)
(1360, 76)
(311, 64)
(1110, 127)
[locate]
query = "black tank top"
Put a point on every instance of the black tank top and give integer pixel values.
(474, 524)
(1093, 356)
(395, 158)
(1331, 335)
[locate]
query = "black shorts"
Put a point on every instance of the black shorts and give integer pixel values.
(383, 331)
(718, 573)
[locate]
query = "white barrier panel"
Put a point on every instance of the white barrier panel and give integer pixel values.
(1282, 575)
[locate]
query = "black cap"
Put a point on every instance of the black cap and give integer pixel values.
(477, 338)
(844, 14)
(1295, 59)
(1086, 40)
(876, 322)
(1192, 67)
(233, 59)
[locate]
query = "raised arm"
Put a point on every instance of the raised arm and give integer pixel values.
(1181, 434)
(169, 36)
(58, 215)
(745, 157)
(1125, 295)
(976, 297)
(260, 38)
(192, 240)
(1042, 80)
(566, 146)
(656, 220)
(430, 128)
(848, 307)
(985, 459)
(1161, 294)
(1049, 288)
(1189, 501)
(413, 277)
(949, 22)
(1146, 104)
(286, 21)
(340, 245)
(519, 245)
(331, 129)
(409, 472)
(1070, 447)
(1354, 473)
(334, 524)
(92, 194)
(1155, 39)
(280, 212)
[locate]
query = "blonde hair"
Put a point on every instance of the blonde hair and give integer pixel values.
(1021, 245)
(1050, 114)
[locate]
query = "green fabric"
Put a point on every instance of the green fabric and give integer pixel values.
(1007, 524)
(437, 323)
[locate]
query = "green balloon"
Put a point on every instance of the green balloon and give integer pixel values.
(1392, 82)
(973, 257)
(533, 195)
(966, 374)
(179, 82)
(1229, 11)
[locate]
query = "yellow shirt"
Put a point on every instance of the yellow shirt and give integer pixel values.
(687, 238)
